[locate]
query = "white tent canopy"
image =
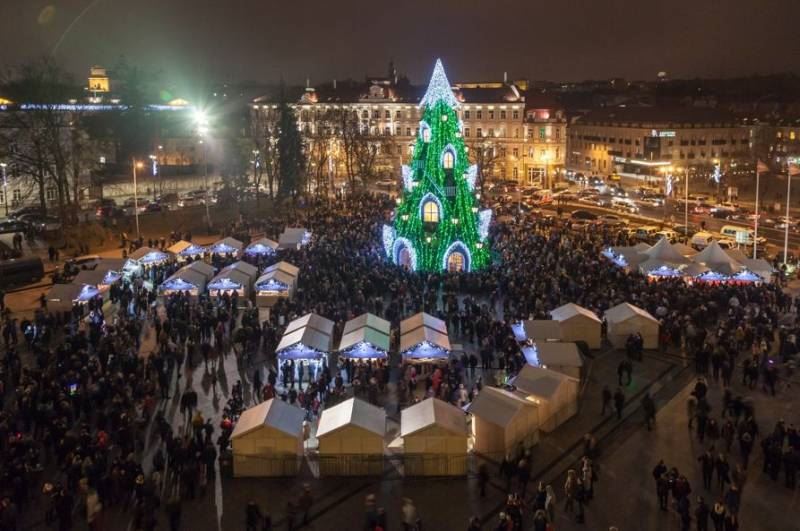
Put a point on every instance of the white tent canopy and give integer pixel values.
(277, 281)
(625, 319)
(268, 440)
(100, 276)
(201, 267)
(230, 279)
(294, 238)
(501, 420)
(665, 252)
(554, 393)
(717, 260)
(148, 255)
(539, 330)
(579, 324)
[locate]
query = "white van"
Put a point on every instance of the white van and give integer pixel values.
(701, 240)
(741, 235)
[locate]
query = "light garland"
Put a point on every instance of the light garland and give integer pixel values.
(388, 239)
(471, 176)
(457, 247)
(484, 219)
(439, 89)
(408, 178)
(399, 245)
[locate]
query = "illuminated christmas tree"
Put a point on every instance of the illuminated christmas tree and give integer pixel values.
(438, 225)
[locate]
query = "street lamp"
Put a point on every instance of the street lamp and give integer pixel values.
(3, 166)
(137, 165)
(154, 165)
(668, 186)
(545, 158)
(201, 122)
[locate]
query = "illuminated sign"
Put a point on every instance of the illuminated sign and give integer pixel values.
(662, 134)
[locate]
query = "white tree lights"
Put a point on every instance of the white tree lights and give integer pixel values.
(439, 89)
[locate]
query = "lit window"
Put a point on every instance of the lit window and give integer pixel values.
(791, 135)
(430, 212)
(448, 160)
(426, 133)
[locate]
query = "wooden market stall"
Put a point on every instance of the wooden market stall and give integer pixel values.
(555, 394)
(276, 282)
(236, 278)
(537, 330)
(268, 440)
(626, 319)
(564, 357)
(351, 439)
(309, 339)
(294, 238)
(434, 439)
(579, 324)
(262, 247)
(365, 337)
(226, 247)
(424, 338)
(501, 421)
(183, 250)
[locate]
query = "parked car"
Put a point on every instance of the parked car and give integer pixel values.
(583, 215)
(670, 235)
(18, 213)
(10, 225)
(611, 220)
(685, 231)
(21, 271)
(41, 223)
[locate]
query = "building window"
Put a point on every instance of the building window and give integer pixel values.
(515, 115)
(398, 115)
(516, 132)
(479, 114)
(491, 115)
(491, 132)
(502, 115)
(365, 114)
(542, 133)
(408, 131)
(515, 152)
(430, 212)
(791, 135)
(515, 172)
(387, 114)
(466, 132)
(480, 132)
(466, 115)
(387, 131)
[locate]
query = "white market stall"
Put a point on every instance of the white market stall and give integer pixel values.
(365, 337)
(268, 440)
(565, 358)
(62, 297)
(294, 238)
(424, 338)
(555, 394)
(537, 330)
(226, 247)
(579, 324)
(351, 439)
(183, 250)
(276, 282)
(262, 247)
(308, 338)
(100, 278)
(626, 319)
(191, 279)
(147, 256)
(434, 439)
(236, 278)
(502, 420)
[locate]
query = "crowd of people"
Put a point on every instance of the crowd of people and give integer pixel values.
(86, 429)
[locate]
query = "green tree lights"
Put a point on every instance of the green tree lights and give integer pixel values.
(438, 225)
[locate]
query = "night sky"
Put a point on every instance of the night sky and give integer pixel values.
(224, 40)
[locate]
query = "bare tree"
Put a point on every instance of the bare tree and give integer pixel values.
(486, 155)
(319, 150)
(361, 148)
(264, 132)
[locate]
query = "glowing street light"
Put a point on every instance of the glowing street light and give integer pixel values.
(137, 165)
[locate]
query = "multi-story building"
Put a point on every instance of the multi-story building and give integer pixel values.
(505, 137)
(637, 141)
(781, 140)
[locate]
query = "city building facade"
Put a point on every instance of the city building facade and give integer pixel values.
(638, 141)
(507, 139)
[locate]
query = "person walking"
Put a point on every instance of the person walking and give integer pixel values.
(649, 408)
(701, 514)
(619, 402)
(708, 464)
(570, 492)
(411, 519)
(550, 503)
(718, 516)
(607, 396)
